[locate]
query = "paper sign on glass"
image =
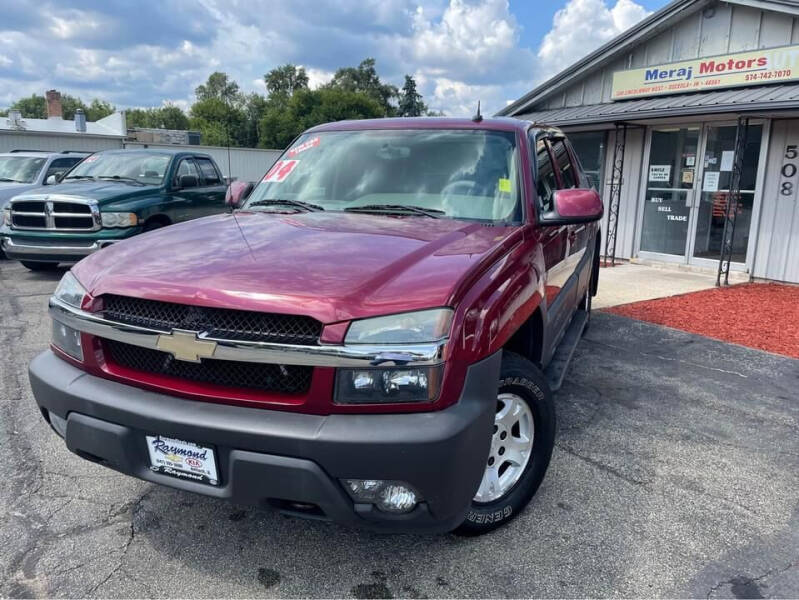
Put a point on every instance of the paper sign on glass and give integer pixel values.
(660, 173)
(280, 170)
(726, 160)
(711, 181)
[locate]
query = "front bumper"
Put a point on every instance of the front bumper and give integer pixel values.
(58, 251)
(285, 459)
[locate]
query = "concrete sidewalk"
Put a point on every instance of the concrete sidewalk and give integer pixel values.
(630, 282)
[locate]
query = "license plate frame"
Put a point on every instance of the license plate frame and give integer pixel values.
(183, 459)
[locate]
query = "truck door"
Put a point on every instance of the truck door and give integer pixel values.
(577, 235)
(554, 241)
(213, 187)
(186, 202)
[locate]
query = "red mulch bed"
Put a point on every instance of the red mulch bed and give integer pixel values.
(758, 315)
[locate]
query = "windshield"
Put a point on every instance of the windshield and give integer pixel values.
(19, 169)
(463, 174)
(139, 167)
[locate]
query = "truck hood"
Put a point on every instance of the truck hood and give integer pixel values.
(10, 189)
(104, 192)
(331, 266)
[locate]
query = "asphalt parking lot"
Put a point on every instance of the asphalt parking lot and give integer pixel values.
(676, 473)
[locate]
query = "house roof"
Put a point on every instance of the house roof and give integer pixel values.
(111, 126)
(738, 100)
(645, 29)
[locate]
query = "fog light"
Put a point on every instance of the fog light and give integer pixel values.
(397, 499)
(388, 496)
(67, 340)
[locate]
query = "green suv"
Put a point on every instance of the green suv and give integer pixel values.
(108, 197)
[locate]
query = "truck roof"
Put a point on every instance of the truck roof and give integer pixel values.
(167, 151)
(491, 124)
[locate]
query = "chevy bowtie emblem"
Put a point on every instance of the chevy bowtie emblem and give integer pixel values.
(184, 345)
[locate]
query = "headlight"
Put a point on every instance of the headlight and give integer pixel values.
(388, 385)
(406, 328)
(67, 340)
(117, 219)
(70, 291)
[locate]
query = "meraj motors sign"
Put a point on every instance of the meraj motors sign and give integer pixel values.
(754, 67)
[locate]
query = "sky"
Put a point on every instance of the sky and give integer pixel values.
(147, 53)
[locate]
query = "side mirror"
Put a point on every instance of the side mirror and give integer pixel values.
(237, 193)
(574, 206)
(51, 180)
(188, 181)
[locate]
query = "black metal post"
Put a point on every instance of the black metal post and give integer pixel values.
(616, 181)
(733, 201)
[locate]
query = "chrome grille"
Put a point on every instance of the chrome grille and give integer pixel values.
(221, 323)
(54, 215)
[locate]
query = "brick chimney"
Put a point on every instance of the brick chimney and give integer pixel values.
(54, 104)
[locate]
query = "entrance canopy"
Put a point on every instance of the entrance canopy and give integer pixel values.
(764, 99)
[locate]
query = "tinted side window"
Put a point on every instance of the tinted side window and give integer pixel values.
(186, 167)
(568, 175)
(59, 166)
(546, 183)
(208, 171)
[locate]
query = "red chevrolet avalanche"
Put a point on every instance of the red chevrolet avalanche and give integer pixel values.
(372, 336)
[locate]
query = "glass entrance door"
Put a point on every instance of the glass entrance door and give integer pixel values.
(669, 191)
(686, 197)
(717, 167)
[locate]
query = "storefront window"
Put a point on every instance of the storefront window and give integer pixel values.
(590, 149)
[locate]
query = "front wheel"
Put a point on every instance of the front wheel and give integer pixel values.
(521, 446)
(39, 266)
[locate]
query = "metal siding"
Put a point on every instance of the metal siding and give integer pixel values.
(574, 95)
(246, 164)
(593, 89)
(777, 253)
(659, 49)
(55, 143)
(775, 30)
(686, 38)
(716, 32)
(745, 29)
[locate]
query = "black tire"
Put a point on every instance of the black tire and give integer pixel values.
(153, 225)
(39, 266)
(521, 377)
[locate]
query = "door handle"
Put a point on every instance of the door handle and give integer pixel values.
(689, 198)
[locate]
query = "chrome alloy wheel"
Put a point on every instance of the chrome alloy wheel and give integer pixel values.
(511, 447)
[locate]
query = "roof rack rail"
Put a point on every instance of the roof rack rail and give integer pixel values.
(26, 150)
(77, 152)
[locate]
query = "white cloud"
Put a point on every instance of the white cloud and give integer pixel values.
(581, 27)
(318, 77)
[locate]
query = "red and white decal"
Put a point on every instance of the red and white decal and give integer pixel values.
(280, 170)
(312, 143)
(91, 158)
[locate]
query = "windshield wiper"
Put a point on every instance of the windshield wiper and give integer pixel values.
(306, 206)
(6, 179)
(79, 177)
(121, 178)
(397, 209)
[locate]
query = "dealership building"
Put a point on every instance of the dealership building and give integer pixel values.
(688, 123)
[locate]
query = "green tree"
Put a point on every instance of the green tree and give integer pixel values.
(168, 116)
(306, 108)
(99, 109)
(364, 78)
(410, 102)
(219, 122)
(32, 107)
(219, 86)
(285, 80)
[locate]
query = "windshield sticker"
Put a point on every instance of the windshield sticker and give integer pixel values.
(280, 170)
(91, 158)
(312, 143)
(504, 185)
